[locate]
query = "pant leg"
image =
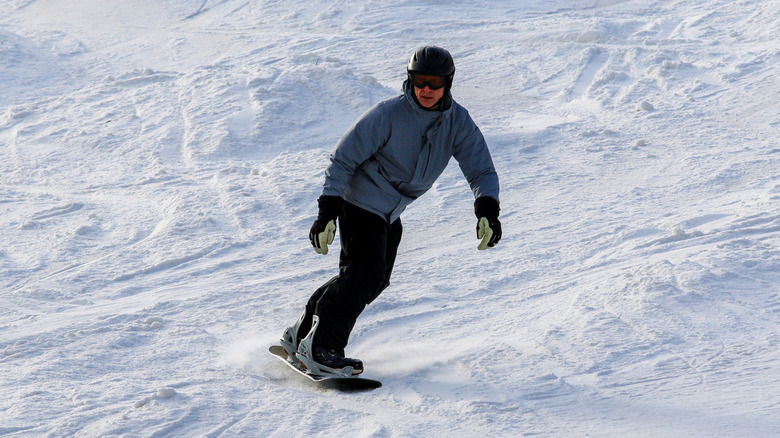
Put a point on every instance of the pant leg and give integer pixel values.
(310, 309)
(393, 240)
(368, 249)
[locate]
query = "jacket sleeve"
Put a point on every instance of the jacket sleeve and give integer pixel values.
(362, 140)
(474, 159)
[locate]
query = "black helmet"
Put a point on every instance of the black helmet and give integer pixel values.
(432, 60)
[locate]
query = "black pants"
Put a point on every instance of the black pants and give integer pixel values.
(368, 249)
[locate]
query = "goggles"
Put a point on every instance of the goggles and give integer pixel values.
(433, 82)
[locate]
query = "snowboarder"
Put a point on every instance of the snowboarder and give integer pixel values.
(387, 159)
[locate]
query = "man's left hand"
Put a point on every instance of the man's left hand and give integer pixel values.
(489, 231)
(488, 225)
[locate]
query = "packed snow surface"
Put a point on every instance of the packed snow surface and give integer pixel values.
(159, 168)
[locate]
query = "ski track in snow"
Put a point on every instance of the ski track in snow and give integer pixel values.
(160, 167)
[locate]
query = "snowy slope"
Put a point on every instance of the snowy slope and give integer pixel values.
(159, 168)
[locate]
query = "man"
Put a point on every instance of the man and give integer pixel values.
(387, 159)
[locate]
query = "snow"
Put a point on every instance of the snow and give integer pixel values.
(159, 169)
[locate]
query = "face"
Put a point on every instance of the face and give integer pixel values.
(427, 96)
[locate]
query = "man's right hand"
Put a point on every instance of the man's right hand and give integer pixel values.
(322, 235)
(323, 231)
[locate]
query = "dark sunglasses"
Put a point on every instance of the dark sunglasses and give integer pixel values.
(432, 82)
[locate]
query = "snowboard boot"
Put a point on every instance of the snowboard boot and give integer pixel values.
(291, 339)
(322, 361)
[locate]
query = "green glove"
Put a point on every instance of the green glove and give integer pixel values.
(323, 231)
(484, 232)
(488, 225)
(322, 236)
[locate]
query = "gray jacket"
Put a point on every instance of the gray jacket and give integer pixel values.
(396, 151)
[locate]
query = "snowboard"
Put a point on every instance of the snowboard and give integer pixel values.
(346, 384)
